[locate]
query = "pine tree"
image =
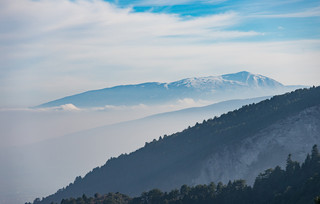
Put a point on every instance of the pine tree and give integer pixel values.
(315, 153)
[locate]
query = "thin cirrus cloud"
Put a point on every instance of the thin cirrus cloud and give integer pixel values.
(171, 3)
(36, 18)
(313, 12)
(97, 23)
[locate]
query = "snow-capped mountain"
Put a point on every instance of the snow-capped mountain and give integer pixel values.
(240, 79)
(239, 85)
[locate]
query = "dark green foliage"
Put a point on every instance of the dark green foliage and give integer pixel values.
(110, 198)
(175, 160)
(294, 185)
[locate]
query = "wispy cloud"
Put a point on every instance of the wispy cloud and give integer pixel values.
(313, 12)
(176, 2)
(83, 19)
(162, 2)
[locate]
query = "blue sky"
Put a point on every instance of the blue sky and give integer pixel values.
(50, 49)
(296, 18)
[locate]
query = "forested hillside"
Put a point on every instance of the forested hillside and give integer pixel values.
(296, 184)
(179, 159)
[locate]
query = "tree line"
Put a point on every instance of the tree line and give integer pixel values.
(296, 184)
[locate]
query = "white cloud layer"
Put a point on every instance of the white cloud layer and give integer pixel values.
(176, 2)
(50, 49)
(314, 12)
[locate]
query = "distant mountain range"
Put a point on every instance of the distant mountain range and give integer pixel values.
(236, 145)
(239, 85)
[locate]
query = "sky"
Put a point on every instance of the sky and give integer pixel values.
(51, 49)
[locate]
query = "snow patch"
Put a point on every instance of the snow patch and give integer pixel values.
(69, 107)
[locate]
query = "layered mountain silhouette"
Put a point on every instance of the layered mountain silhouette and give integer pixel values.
(236, 145)
(80, 151)
(241, 85)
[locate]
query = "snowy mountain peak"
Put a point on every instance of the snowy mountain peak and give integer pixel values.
(201, 82)
(250, 79)
(243, 78)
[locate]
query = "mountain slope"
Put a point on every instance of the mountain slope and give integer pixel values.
(235, 145)
(218, 88)
(100, 143)
(297, 184)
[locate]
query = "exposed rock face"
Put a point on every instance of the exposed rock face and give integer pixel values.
(270, 147)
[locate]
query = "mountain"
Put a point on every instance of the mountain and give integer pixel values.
(101, 143)
(296, 184)
(236, 145)
(239, 85)
(189, 116)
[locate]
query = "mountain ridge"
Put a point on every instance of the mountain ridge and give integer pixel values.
(213, 88)
(297, 183)
(180, 158)
(102, 142)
